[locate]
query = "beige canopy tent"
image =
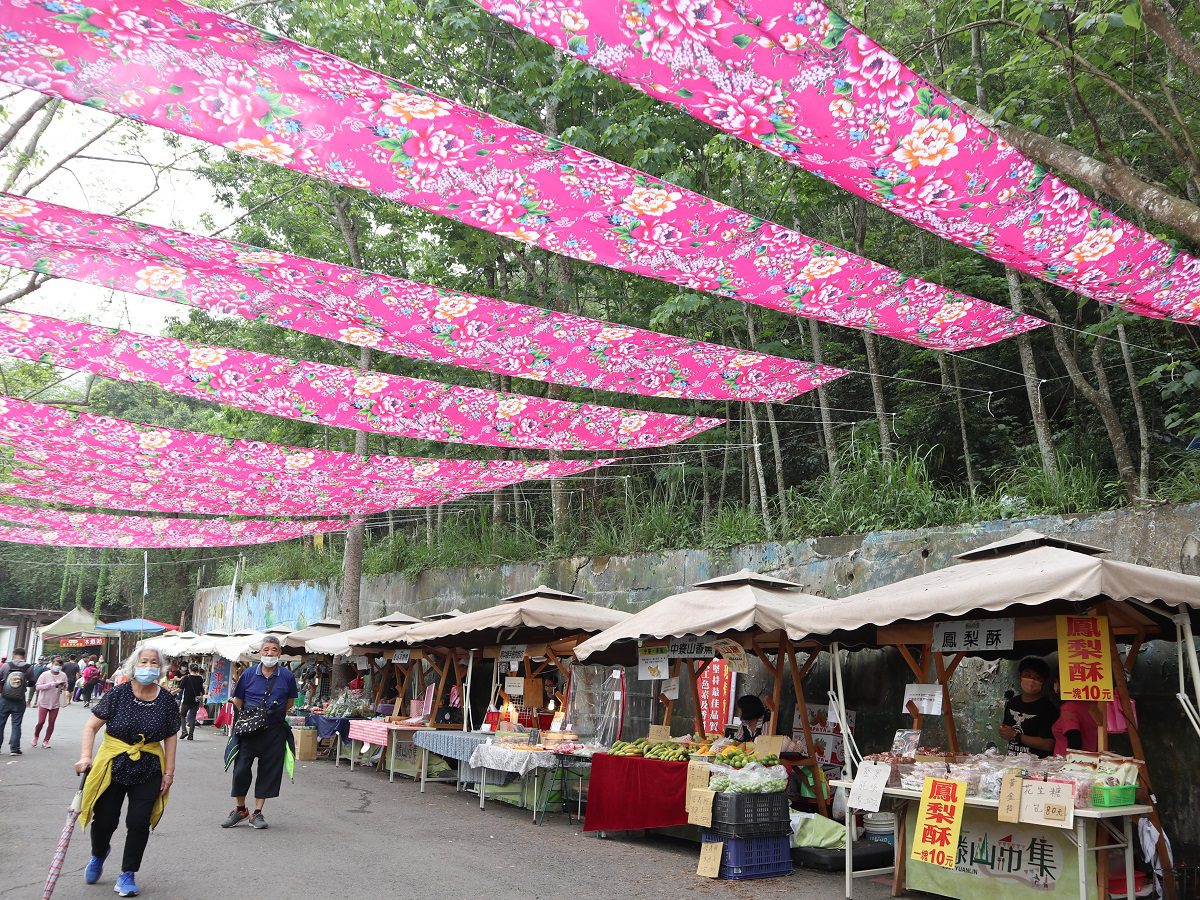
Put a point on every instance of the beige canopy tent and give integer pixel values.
(296, 641)
(75, 623)
(1031, 578)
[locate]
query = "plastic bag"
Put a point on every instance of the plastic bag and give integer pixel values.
(755, 778)
(838, 810)
(201, 715)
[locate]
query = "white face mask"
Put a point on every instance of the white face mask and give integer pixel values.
(56, 669)
(270, 661)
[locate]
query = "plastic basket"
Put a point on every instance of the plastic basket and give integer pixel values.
(752, 857)
(756, 829)
(1110, 795)
(750, 809)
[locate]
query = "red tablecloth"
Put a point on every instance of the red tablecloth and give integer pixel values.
(627, 793)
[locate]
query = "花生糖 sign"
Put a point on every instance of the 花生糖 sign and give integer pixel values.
(1085, 669)
(939, 818)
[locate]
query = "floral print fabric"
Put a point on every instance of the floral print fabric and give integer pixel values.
(208, 76)
(333, 395)
(799, 81)
(390, 314)
(58, 528)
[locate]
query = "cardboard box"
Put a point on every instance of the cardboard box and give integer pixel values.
(306, 743)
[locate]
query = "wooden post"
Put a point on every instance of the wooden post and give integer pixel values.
(788, 652)
(693, 679)
(944, 674)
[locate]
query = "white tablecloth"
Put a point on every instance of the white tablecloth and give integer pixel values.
(519, 762)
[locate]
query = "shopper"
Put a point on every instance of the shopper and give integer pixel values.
(753, 715)
(191, 687)
(14, 683)
(39, 667)
(136, 762)
(50, 686)
(71, 670)
(1029, 717)
(91, 677)
(264, 692)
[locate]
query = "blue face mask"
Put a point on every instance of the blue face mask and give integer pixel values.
(146, 675)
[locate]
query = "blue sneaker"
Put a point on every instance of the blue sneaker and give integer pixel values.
(95, 868)
(126, 886)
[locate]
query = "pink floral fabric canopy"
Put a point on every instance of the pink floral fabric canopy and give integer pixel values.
(796, 79)
(207, 76)
(59, 528)
(390, 314)
(81, 442)
(333, 395)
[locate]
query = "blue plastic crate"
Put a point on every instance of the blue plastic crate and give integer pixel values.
(753, 857)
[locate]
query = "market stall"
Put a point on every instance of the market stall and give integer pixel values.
(1023, 595)
(732, 618)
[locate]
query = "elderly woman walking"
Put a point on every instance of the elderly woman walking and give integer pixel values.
(263, 696)
(50, 686)
(136, 762)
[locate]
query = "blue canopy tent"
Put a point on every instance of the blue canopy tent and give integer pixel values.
(131, 626)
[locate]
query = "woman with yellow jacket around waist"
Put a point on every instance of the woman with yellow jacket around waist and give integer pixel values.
(136, 761)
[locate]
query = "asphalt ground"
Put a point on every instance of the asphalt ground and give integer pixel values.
(337, 833)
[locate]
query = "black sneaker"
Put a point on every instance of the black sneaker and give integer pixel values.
(236, 817)
(257, 820)
(15, 752)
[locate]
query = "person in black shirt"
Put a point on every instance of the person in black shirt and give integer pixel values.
(191, 688)
(1029, 718)
(71, 670)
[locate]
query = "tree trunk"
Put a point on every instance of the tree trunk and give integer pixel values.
(726, 459)
(780, 486)
(1140, 412)
(962, 425)
(26, 155)
(859, 215)
(818, 355)
(1042, 428)
(759, 483)
(22, 120)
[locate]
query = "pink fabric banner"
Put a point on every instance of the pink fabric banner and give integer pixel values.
(59, 528)
(81, 441)
(390, 314)
(207, 76)
(797, 80)
(333, 395)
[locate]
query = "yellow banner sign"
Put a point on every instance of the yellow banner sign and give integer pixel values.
(1085, 667)
(939, 819)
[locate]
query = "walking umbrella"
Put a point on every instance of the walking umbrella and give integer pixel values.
(64, 841)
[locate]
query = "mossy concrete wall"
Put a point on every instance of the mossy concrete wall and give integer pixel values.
(1167, 537)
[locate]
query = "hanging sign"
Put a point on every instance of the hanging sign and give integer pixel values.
(866, 793)
(733, 653)
(715, 687)
(670, 688)
(653, 663)
(939, 819)
(926, 697)
(69, 643)
(1085, 666)
(1049, 803)
(514, 687)
(691, 650)
(362, 664)
(973, 635)
(401, 656)
(512, 653)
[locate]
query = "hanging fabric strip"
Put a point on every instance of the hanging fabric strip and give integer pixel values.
(799, 81)
(207, 76)
(79, 441)
(333, 395)
(59, 528)
(390, 314)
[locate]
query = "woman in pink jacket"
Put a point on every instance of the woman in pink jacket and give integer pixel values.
(49, 687)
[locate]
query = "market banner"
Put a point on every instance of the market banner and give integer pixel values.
(334, 395)
(389, 314)
(218, 679)
(939, 818)
(715, 686)
(210, 77)
(1085, 664)
(806, 85)
(58, 528)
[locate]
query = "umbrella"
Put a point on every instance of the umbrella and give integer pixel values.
(64, 841)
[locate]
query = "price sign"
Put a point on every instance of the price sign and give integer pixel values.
(659, 733)
(1010, 799)
(514, 687)
(698, 775)
(401, 656)
(869, 781)
(1085, 669)
(768, 745)
(1050, 803)
(710, 859)
(926, 697)
(700, 804)
(939, 820)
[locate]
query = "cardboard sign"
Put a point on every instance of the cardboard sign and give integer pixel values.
(1085, 669)
(1010, 799)
(511, 653)
(710, 859)
(869, 781)
(973, 635)
(653, 663)
(926, 697)
(670, 688)
(768, 745)
(939, 819)
(734, 655)
(1049, 803)
(659, 733)
(401, 656)
(700, 804)
(514, 687)
(698, 776)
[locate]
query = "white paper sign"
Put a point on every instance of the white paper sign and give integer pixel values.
(867, 791)
(926, 697)
(361, 663)
(401, 656)
(734, 655)
(973, 635)
(512, 653)
(514, 687)
(653, 663)
(670, 689)
(1050, 803)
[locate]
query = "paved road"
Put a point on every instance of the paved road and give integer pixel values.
(344, 834)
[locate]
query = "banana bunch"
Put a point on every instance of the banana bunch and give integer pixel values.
(668, 751)
(629, 748)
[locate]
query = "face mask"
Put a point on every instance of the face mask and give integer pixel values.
(146, 675)
(270, 661)
(1029, 686)
(56, 669)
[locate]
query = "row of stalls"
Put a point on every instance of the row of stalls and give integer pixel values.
(548, 702)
